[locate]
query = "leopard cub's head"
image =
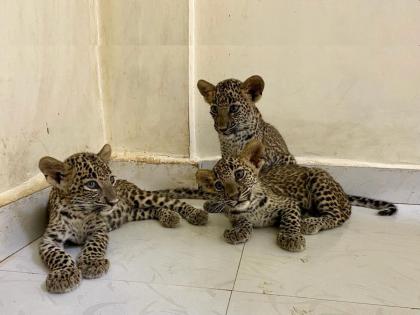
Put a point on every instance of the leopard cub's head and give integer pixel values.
(234, 179)
(232, 103)
(85, 179)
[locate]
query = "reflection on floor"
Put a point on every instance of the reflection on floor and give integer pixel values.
(371, 265)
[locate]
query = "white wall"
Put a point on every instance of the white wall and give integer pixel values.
(49, 101)
(76, 74)
(342, 77)
(144, 55)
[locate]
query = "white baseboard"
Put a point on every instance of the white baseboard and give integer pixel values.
(23, 221)
(398, 183)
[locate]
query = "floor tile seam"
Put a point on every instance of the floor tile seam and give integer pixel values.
(325, 299)
(131, 281)
(17, 251)
(20, 272)
(236, 277)
(228, 303)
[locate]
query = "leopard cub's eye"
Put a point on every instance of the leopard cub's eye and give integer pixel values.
(233, 108)
(218, 185)
(92, 184)
(112, 179)
(213, 109)
(239, 174)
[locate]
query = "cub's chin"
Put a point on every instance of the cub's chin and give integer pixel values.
(106, 210)
(244, 205)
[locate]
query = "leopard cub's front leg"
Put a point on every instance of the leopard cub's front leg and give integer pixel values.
(291, 242)
(91, 261)
(290, 236)
(240, 233)
(64, 276)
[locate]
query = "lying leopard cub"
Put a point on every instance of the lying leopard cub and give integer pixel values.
(277, 197)
(85, 203)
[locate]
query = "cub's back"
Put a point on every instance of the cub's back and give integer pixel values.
(285, 179)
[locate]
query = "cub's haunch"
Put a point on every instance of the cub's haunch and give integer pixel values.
(297, 199)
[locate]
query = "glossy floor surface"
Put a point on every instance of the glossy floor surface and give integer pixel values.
(371, 265)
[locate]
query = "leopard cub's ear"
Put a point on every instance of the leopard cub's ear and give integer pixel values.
(254, 86)
(208, 91)
(105, 153)
(254, 154)
(205, 179)
(56, 172)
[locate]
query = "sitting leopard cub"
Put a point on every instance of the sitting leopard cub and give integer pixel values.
(278, 197)
(85, 203)
(237, 120)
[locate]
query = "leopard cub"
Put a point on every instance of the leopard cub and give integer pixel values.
(85, 203)
(297, 199)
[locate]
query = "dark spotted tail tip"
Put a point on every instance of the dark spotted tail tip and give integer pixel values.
(387, 212)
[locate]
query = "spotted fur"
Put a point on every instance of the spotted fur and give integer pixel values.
(238, 122)
(85, 203)
(297, 199)
(386, 208)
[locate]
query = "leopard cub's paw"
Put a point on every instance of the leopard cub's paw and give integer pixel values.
(197, 216)
(93, 268)
(169, 218)
(63, 280)
(291, 242)
(309, 226)
(235, 236)
(212, 206)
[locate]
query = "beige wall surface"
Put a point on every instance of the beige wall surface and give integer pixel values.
(74, 74)
(144, 58)
(49, 100)
(342, 77)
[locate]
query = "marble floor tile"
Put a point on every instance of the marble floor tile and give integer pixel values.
(371, 265)
(21, 293)
(253, 304)
(370, 259)
(147, 252)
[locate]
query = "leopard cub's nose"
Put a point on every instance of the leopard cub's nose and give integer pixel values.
(233, 195)
(112, 202)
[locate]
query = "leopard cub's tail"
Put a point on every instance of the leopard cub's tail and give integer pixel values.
(386, 208)
(186, 193)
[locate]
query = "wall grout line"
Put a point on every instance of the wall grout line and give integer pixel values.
(99, 74)
(191, 81)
